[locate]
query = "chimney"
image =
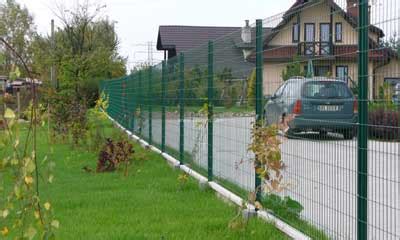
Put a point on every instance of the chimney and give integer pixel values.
(352, 8)
(246, 33)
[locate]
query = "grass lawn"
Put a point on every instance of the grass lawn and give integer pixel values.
(279, 211)
(147, 204)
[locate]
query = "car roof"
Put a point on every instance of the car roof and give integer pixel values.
(314, 79)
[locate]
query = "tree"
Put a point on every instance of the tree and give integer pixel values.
(224, 82)
(393, 43)
(195, 86)
(86, 51)
(251, 89)
(18, 29)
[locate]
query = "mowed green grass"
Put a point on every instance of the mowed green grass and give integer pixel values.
(147, 204)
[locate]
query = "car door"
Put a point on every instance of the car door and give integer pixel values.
(274, 106)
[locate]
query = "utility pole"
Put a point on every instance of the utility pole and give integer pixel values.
(150, 53)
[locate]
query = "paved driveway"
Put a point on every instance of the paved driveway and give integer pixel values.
(322, 173)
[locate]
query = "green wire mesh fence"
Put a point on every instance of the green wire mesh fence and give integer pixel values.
(327, 72)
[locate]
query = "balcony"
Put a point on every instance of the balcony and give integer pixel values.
(312, 49)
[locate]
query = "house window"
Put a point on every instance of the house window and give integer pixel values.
(338, 32)
(319, 71)
(296, 33)
(309, 32)
(322, 71)
(309, 38)
(324, 38)
(342, 73)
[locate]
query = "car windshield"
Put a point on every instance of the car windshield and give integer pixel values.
(325, 89)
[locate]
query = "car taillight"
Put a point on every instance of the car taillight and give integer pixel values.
(297, 107)
(355, 106)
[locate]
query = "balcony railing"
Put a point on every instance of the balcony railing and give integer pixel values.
(315, 49)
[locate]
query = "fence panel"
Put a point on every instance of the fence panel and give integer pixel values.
(326, 73)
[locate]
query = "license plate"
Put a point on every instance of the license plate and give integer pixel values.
(328, 108)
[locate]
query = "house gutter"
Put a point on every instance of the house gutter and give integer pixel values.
(225, 193)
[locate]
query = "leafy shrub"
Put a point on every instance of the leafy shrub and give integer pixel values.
(113, 154)
(293, 69)
(386, 93)
(8, 99)
(2, 124)
(251, 89)
(90, 91)
(68, 114)
(268, 160)
(96, 123)
(382, 105)
(384, 124)
(79, 121)
(59, 104)
(225, 89)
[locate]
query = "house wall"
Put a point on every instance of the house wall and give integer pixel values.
(318, 13)
(352, 66)
(390, 70)
(272, 77)
(272, 74)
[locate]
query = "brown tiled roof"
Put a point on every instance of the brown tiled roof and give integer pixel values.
(193, 40)
(183, 38)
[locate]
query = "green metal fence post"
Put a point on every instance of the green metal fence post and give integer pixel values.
(163, 85)
(140, 102)
(121, 118)
(259, 90)
(181, 108)
(125, 106)
(133, 100)
(210, 105)
(362, 161)
(150, 103)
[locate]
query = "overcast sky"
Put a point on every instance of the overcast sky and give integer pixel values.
(138, 20)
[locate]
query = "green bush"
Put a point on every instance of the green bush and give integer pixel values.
(251, 89)
(294, 69)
